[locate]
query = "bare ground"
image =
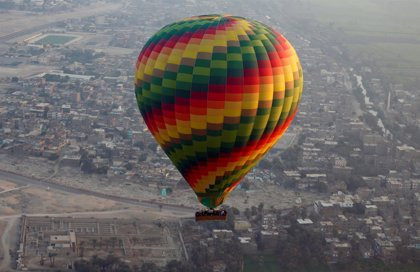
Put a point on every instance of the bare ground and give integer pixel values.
(8, 238)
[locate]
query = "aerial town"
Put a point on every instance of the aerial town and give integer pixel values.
(345, 177)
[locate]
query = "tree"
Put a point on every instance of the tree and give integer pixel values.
(152, 146)
(290, 157)
(86, 164)
(149, 267)
(173, 266)
(82, 249)
(245, 185)
(301, 251)
(142, 157)
(276, 162)
(321, 187)
(96, 264)
(253, 210)
(235, 211)
(260, 207)
(358, 208)
(53, 157)
(83, 266)
(247, 213)
(102, 170)
(52, 256)
(129, 166)
(265, 164)
(354, 183)
(139, 144)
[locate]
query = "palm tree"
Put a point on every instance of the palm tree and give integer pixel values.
(51, 257)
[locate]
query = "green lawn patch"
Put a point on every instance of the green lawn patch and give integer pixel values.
(55, 39)
(263, 263)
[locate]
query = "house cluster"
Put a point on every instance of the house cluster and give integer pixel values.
(342, 134)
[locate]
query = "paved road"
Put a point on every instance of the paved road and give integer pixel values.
(23, 181)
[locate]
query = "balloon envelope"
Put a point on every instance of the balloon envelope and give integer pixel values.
(217, 92)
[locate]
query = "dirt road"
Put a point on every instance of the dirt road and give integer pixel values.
(6, 240)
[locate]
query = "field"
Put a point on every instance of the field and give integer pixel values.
(55, 39)
(39, 200)
(2, 227)
(263, 263)
(383, 33)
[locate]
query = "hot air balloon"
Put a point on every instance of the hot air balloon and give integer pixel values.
(217, 92)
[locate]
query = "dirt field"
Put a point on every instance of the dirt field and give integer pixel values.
(4, 185)
(26, 70)
(8, 237)
(2, 227)
(40, 200)
(50, 203)
(36, 200)
(14, 21)
(270, 195)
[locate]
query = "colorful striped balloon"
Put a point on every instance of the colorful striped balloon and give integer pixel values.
(217, 92)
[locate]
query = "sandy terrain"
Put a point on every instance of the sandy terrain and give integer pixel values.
(40, 200)
(8, 236)
(37, 200)
(17, 21)
(39, 167)
(2, 227)
(115, 51)
(270, 195)
(25, 70)
(5, 185)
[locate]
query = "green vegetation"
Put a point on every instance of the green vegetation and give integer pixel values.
(263, 263)
(373, 265)
(382, 33)
(55, 39)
